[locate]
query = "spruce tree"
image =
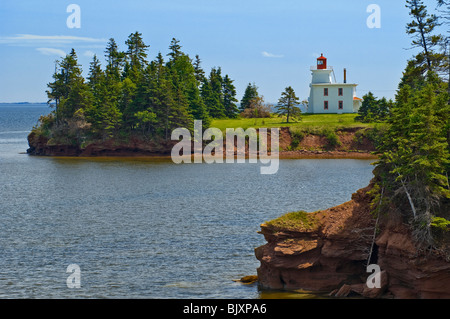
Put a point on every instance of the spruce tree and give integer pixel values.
(229, 97)
(198, 71)
(414, 156)
(115, 60)
(251, 92)
(287, 104)
(421, 29)
(212, 93)
(69, 88)
(136, 55)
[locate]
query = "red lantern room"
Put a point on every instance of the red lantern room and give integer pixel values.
(321, 62)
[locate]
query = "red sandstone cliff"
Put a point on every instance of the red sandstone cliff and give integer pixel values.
(40, 145)
(332, 256)
(312, 146)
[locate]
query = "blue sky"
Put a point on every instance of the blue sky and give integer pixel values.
(268, 42)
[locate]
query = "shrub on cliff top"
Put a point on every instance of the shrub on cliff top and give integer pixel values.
(294, 221)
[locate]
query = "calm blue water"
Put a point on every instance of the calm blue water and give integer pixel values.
(140, 228)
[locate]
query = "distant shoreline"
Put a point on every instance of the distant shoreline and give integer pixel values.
(23, 103)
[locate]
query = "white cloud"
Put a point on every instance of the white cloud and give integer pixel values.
(34, 38)
(271, 55)
(89, 54)
(52, 51)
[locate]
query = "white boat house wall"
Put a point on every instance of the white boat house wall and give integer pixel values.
(327, 96)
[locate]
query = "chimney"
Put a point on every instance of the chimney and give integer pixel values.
(345, 75)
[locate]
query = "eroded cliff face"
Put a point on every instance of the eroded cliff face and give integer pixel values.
(332, 257)
(40, 146)
(312, 146)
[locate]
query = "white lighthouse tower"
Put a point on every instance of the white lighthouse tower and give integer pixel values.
(328, 96)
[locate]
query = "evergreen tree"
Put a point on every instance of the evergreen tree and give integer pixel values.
(414, 73)
(229, 97)
(374, 110)
(126, 102)
(367, 104)
(199, 73)
(415, 157)
(197, 107)
(421, 29)
(115, 60)
(134, 96)
(383, 109)
(169, 102)
(287, 104)
(212, 94)
(251, 92)
(185, 83)
(69, 88)
(96, 82)
(96, 78)
(175, 49)
(136, 56)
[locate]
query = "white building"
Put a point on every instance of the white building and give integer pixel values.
(327, 96)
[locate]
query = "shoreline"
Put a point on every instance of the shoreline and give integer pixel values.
(302, 154)
(311, 146)
(299, 154)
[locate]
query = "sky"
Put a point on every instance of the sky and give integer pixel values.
(271, 43)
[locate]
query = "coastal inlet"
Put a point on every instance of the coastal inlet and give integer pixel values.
(145, 228)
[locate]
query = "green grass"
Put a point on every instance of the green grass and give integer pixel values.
(295, 221)
(332, 121)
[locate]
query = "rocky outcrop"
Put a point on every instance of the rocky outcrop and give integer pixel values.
(39, 145)
(312, 146)
(411, 274)
(332, 257)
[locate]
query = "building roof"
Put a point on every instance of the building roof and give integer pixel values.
(357, 98)
(334, 84)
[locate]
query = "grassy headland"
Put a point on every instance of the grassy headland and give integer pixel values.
(332, 121)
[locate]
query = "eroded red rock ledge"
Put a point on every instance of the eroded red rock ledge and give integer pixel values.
(312, 146)
(332, 257)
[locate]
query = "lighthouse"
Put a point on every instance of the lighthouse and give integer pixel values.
(327, 95)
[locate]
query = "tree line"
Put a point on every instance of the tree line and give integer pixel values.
(132, 94)
(151, 98)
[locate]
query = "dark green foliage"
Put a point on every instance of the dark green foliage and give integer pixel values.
(414, 155)
(373, 109)
(135, 96)
(219, 94)
(213, 95)
(421, 30)
(229, 97)
(287, 104)
(251, 93)
(414, 165)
